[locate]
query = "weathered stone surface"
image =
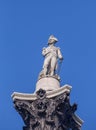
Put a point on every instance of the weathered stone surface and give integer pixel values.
(49, 94)
(48, 84)
(48, 108)
(51, 56)
(45, 113)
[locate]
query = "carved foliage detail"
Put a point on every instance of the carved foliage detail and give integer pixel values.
(47, 113)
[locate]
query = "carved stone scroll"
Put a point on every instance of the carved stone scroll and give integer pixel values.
(48, 113)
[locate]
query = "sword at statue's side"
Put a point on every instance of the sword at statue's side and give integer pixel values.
(59, 66)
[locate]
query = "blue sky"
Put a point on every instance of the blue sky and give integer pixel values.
(25, 26)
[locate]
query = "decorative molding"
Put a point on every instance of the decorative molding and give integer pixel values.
(49, 94)
(44, 113)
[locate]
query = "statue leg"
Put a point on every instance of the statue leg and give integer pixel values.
(46, 64)
(53, 65)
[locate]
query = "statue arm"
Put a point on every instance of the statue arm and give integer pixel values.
(59, 54)
(45, 51)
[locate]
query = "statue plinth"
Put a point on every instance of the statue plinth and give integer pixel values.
(48, 83)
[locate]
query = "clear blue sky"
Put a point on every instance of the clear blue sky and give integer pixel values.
(25, 26)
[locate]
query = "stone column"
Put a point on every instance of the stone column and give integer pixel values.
(47, 110)
(49, 107)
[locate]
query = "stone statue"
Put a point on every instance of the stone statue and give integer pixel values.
(51, 54)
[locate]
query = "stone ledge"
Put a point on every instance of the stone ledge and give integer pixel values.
(25, 96)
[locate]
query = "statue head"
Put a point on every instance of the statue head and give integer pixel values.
(52, 40)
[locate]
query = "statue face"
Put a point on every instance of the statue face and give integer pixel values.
(52, 41)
